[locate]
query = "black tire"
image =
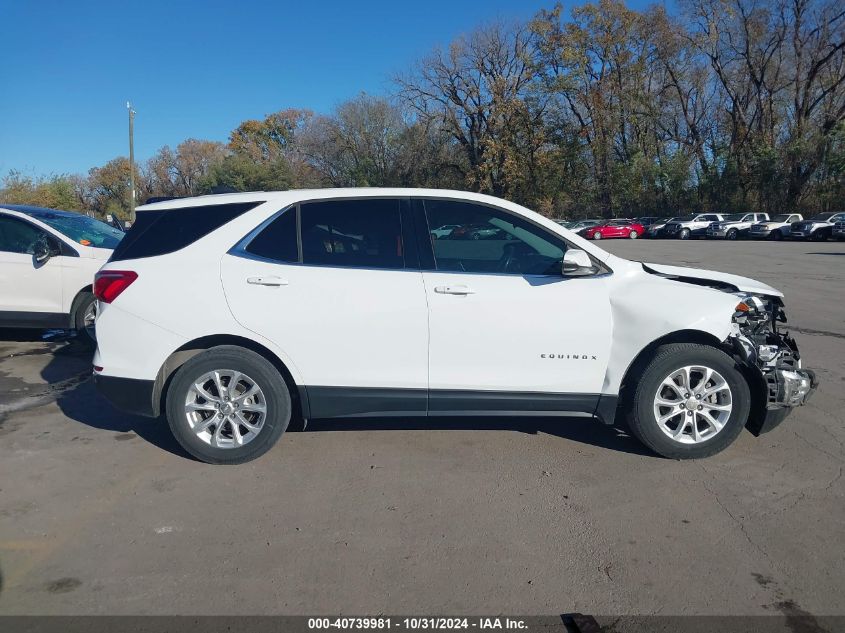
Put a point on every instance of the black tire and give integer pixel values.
(684, 234)
(667, 358)
(818, 236)
(732, 234)
(82, 304)
(264, 375)
(777, 235)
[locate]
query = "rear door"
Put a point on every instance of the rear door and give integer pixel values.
(28, 289)
(336, 286)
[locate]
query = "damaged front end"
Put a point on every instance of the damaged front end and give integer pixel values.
(771, 361)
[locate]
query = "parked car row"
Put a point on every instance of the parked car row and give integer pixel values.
(757, 226)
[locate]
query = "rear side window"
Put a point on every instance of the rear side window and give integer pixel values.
(352, 233)
(161, 232)
(277, 241)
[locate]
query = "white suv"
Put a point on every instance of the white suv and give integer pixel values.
(236, 313)
(47, 263)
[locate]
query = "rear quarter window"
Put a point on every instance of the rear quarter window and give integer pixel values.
(168, 230)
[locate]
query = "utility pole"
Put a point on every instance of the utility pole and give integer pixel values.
(131, 162)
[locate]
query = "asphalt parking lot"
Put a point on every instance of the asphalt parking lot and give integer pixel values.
(101, 512)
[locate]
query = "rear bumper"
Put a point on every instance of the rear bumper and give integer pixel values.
(129, 394)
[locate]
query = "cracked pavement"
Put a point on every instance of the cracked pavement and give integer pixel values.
(100, 512)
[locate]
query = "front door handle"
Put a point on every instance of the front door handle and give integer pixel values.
(454, 290)
(267, 281)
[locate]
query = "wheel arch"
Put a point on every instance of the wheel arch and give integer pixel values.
(639, 362)
(299, 397)
(756, 384)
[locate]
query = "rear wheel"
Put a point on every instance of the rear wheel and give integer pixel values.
(84, 315)
(691, 401)
(228, 405)
(633, 235)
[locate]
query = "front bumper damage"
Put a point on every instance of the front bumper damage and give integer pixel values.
(771, 358)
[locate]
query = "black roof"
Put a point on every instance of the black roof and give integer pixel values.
(39, 212)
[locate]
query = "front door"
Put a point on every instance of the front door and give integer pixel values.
(340, 303)
(508, 332)
(29, 290)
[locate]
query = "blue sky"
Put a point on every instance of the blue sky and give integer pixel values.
(197, 69)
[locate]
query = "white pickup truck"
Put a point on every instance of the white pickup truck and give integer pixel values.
(691, 225)
(775, 229)
(734, 225)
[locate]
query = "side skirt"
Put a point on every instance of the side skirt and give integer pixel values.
(356, 402)
(36, 320)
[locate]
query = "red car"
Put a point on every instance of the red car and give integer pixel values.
(614, 228)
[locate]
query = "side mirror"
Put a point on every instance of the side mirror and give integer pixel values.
(43, 250)
(576, 263)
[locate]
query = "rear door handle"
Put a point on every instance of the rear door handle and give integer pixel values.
(267, 281)
(454, 290)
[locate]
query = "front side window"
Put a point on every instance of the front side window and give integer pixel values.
(17, 236)
(353, 233)
(488, 240)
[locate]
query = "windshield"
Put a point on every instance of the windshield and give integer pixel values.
(783, 217)
(734, 217)
(84, 230)
(824, 217)
(683, 218)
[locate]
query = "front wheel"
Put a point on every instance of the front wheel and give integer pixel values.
(84, 316)
(597, 236)
(633, 235)
(777, 235)
(691, 401)
(228, 405)
(684, 234)
(732, 234)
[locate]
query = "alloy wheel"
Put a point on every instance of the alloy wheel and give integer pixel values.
(693, 404)
(225, 408)
(89, 318)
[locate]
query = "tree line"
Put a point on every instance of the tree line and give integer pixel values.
(728, 105)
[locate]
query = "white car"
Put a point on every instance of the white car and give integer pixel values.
(690, 225)
(775, 229)
(47, 263)
(444, 231)
(819, 227)
(250, 310)
(734, 225)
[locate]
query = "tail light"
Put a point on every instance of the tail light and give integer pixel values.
(109, 284)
